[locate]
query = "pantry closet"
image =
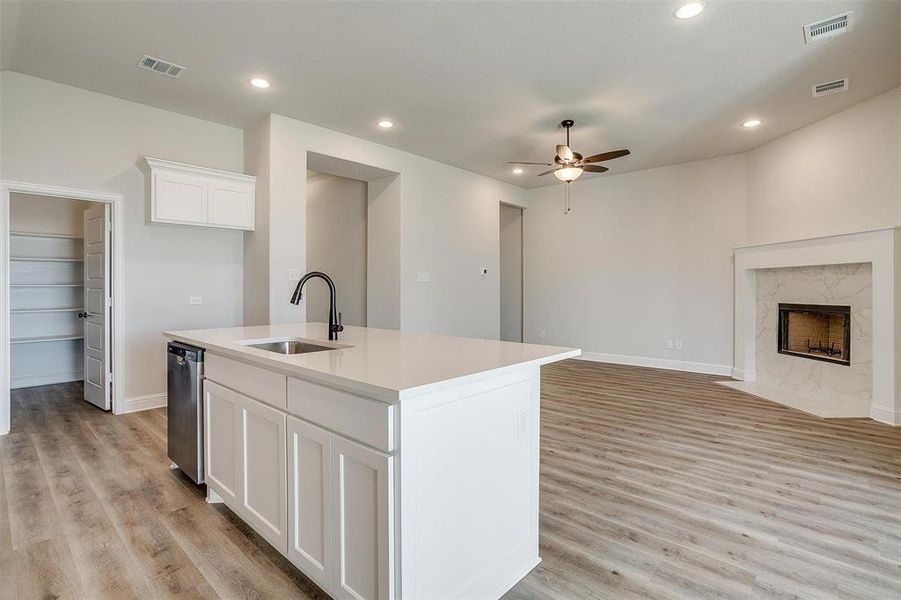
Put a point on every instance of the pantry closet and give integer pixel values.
(46, 260)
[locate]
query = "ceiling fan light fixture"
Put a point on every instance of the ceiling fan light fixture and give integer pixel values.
(518, 171)
(752, 123)
(568, 174)
(689, 10)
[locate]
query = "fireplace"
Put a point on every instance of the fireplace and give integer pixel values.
(815, 331)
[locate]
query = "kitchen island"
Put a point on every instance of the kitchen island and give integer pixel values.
(384, 464)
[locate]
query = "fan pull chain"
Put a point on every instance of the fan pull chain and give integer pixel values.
(566, 206)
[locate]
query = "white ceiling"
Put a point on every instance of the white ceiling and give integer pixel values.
(475, 84)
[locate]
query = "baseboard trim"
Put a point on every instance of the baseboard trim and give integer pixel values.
(659, 363)
(25, 381)
(884, 415)
(139, 403)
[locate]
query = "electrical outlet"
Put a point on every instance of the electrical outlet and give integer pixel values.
(542, 333)
(669, 344)
(422, 276)
(195, 300)
(522, 423)
(294, 275)
(678, 344)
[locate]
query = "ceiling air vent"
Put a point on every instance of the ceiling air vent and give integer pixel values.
(162, 67)
(830, 87)
(828, 28)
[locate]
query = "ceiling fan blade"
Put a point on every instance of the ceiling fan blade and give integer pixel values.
(547, 172)
(594, 168)
(606, 156)
(543, 164)
(564, 152)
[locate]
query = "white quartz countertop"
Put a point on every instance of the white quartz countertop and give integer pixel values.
(379, 363)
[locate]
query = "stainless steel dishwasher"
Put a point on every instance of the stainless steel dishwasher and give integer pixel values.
(185, 409)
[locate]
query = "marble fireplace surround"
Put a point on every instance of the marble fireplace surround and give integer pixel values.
(882, 249)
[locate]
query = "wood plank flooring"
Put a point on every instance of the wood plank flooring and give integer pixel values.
(90, 509)
(654, 484)
(657, 484)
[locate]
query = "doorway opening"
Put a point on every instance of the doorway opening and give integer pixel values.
(353, 235)
(60, 272)
(511, 276)
(337, 219)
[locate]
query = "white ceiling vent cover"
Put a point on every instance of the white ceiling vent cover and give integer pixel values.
(161, 67)
(830, 87)
(828, 28)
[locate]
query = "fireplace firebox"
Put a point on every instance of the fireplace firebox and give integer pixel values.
(815, 331)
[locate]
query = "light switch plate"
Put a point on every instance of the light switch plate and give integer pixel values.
(195, 300)
(422, 276)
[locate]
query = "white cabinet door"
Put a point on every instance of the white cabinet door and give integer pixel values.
(221, 441)
(180, 198)
(230, 204)
(363, 522)
(263, 488)
(310, 538)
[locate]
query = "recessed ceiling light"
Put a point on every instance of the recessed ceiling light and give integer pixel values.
(386, 124)
(518, 171)
(752, 123)
(259, 83)
(689, 10)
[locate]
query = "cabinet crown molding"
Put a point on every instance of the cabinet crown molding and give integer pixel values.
(149, 163)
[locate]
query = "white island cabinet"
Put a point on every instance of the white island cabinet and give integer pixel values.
(390, 465)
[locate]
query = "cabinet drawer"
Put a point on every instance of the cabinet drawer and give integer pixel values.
(255, 382)
(367, 421)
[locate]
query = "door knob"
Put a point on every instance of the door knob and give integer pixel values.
(82, 315)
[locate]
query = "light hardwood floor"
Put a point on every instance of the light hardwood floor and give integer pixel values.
(653, 484)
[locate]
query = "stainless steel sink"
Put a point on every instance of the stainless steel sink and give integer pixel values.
(290, 347)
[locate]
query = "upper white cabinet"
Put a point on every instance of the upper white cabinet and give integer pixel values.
(190, 195)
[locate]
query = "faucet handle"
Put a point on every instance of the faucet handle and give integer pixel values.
(340, 325)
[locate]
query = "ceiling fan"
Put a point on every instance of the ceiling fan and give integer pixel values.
(569, 165)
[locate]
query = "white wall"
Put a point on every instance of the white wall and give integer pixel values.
(383, 268)
(644, 257)
(449, 227)
(256, 242)
(45, 214)
(839, 175)
(511, 272)
(336, 245)
(60, 135)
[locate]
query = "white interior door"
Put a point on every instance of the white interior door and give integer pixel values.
(96, 307)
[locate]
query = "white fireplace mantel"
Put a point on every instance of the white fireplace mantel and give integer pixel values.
(881, 248)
